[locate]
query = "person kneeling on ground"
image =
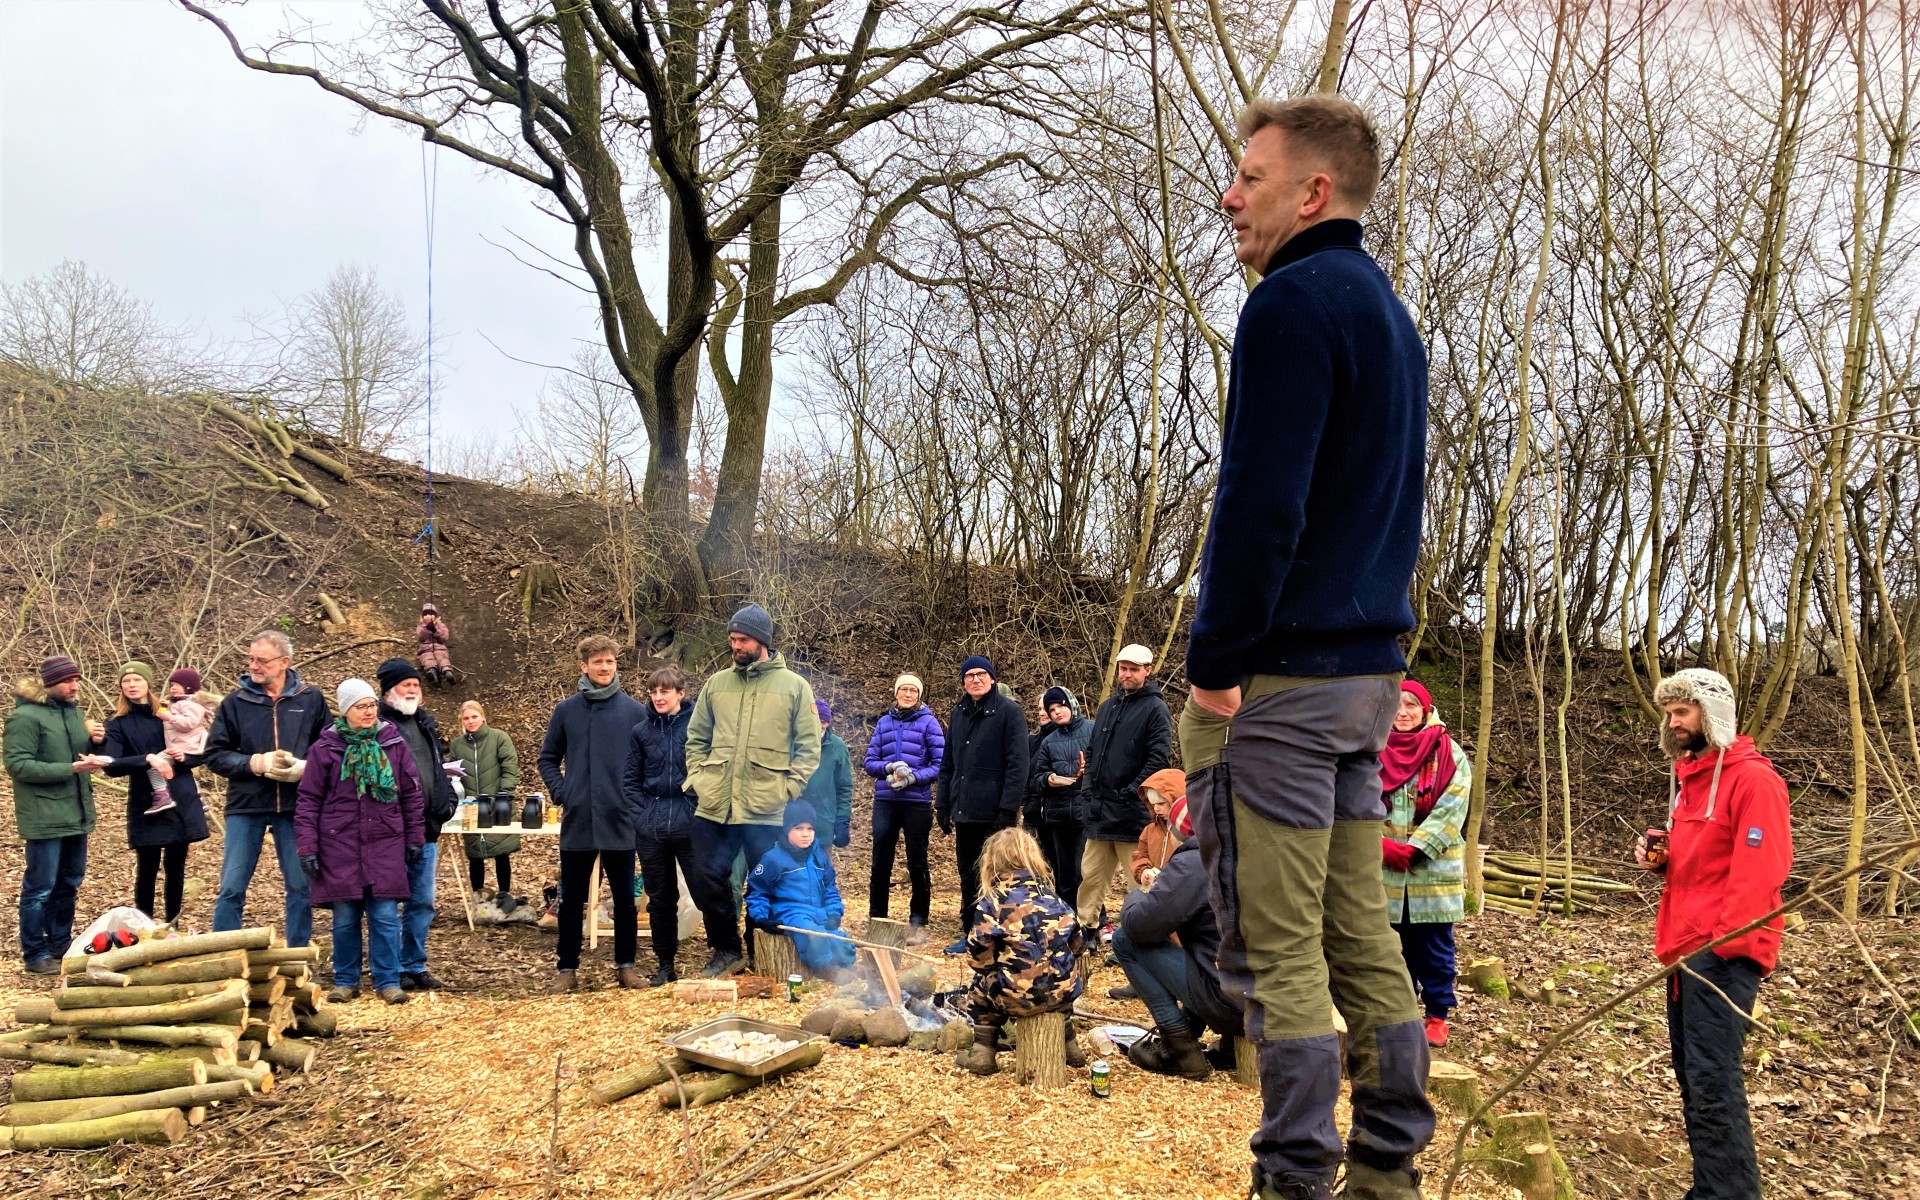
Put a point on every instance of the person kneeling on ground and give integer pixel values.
(794, 884)
(1177, 979)
(359, 823)
(1023, 945)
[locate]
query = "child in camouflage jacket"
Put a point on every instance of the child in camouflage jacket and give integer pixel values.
(1024, 945)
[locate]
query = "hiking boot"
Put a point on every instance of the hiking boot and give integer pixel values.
(562, 983)
(44, 966)
(394, 995)
(1436, 1031)
(1076, 1057)
(1273, 1187)
(1122, 993)
(662, 977)
(342, 994)
(630, 978)
(722, 964)
(917, 935)
(1367, 1183)
(421, 981)
(1171, 1052)
(983, 1057)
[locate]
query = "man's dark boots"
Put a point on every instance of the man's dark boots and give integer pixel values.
(1367, 1183)
(1171, 1050)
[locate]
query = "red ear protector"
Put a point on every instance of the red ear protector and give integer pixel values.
(103, 942)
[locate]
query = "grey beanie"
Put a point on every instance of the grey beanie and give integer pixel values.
(755, 622)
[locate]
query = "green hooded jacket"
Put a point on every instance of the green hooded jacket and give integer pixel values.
(493, 766)
(44, 737)
(753, 743)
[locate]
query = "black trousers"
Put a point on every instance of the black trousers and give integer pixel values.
(1707, 1038)
(891, 819)
(715, 846)
(968, 837)
(658, 857)
(577, 891)
(147, 864)
(1062, 842)
(477, 871)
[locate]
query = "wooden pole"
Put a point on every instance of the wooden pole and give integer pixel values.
(163, 1035)
(158, 1126)
(69, 1083)
(623, 1083)
(91, 1108)
(70, 1056)
(141, 954)
(41, 1011)
(124, 997)
(1040, 1050)
(853, 941)
(709, 1090)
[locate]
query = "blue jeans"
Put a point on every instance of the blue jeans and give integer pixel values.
(1159, 973)
(383, 940)
(1428, 949)
(418, 913)
(55, 867)
(244, 834)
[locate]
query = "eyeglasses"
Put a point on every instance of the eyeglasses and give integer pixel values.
(976, 676)
(254, 660)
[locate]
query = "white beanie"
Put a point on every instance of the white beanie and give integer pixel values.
(1134, 652)
(910, 679)
(351, 692)
(1711, 691)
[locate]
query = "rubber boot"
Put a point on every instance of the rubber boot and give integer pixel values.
(1367, 1183)
(1171, 1051)
(983, 1057)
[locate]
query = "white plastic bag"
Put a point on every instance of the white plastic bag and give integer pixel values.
(112, 921)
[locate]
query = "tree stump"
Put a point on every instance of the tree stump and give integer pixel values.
(1246, 1063)
(1488, 976)
(1508, 1154)
(1455, 1086)
(1040, 1050)
(774, 955)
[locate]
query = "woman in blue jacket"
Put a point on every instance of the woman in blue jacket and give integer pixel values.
(794, 884)
(903, 756)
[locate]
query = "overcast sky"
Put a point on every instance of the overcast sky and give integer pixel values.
(131, 139)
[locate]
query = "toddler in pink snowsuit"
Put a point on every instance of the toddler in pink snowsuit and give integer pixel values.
(188, 718)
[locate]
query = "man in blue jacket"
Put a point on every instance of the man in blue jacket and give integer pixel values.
(1295, 649)
(582, 762)
(259, 741)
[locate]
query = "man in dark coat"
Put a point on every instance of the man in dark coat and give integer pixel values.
(1132, 738)
(582, 761)
(1304, 593)
(400, 697)
(983, 775)
(259, 741)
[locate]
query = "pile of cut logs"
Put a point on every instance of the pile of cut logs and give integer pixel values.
(138, 1041)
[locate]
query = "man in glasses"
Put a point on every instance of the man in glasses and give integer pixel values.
(259, 742)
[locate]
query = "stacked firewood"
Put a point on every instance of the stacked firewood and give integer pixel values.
(138, 1041)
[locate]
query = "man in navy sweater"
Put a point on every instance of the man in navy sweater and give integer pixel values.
(1295, 659)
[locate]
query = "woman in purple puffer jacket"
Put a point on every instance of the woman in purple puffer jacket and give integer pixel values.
(903, 756)
(359, 823)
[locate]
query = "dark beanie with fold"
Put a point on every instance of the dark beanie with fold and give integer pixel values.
(978, 662)
(394, 672)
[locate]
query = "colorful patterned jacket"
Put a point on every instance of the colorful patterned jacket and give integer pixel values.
(1433, 893)
(1023, 946)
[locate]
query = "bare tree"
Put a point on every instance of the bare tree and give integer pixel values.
(347, 363)
(77, 325)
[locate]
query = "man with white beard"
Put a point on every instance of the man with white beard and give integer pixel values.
(400, 704)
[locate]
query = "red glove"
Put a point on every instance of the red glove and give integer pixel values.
(1398, 855)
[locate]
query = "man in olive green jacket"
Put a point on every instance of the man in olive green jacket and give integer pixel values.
(752, 744)
(49, 750)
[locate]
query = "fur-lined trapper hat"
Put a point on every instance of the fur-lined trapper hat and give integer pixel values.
(1711, 691)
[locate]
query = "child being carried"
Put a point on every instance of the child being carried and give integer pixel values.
(1023, 945)
(185, 722)
(794, 884)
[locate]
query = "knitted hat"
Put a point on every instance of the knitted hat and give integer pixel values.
(825, 710)
(1180, 818)
(428, 609)
(1419, 692)
(1056, 695)
(978, 662)
(58, 669)
(137, 668)
(187, 678)
(755, 622)
(394, 672)
(1134, 653)
(799, 812)
(1711, 691)
(351, 692)
(910, 678)
(1170, 782)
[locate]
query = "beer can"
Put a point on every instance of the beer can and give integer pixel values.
(793, 989)
(1102, 1078)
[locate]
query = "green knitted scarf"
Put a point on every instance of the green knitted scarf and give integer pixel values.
(365, 764)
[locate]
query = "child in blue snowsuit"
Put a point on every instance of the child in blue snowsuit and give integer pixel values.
(794, 884)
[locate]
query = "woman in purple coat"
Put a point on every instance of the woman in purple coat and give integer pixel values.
(360, 822)
(904, 759)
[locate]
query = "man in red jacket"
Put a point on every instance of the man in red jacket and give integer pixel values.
(1725, 852)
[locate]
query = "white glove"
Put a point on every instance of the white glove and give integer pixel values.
(290, 772)
(259, 763)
